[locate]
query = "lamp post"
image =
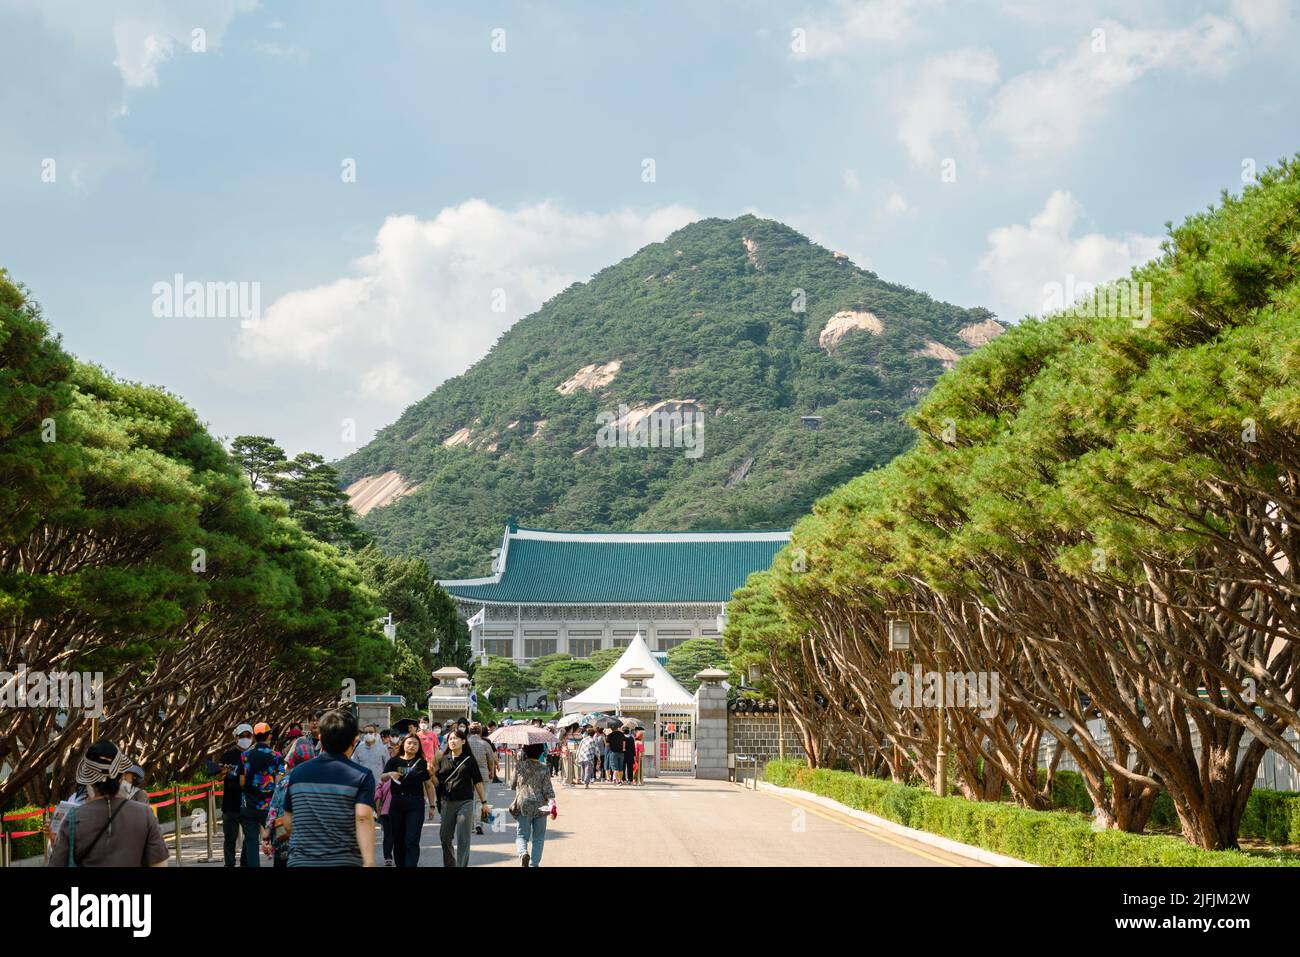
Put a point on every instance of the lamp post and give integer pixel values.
(900, 639)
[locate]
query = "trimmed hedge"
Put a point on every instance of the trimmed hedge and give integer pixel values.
(1272, 816)
(1050, 838)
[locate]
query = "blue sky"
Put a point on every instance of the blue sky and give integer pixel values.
(488, 179)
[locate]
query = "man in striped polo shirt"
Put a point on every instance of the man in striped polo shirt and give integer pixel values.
(329, 808)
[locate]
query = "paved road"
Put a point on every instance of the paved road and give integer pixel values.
(682, 822)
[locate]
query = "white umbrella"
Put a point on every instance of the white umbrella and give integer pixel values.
(517, 734)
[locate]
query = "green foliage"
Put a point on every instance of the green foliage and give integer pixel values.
(131, 544)
(691, 657)
(1048, 838)
(505, 679)
(563, 678)
(689, 318)
(1099, 507)
(307, 483)
(602, 659)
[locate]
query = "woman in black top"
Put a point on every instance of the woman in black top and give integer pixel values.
(458, 779)
(629, 755)
(411, 781)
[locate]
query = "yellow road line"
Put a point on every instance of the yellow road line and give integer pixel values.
(867, 829)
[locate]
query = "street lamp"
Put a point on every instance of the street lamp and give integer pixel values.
(900, 639)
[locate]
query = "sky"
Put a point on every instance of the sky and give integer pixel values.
(368, 195)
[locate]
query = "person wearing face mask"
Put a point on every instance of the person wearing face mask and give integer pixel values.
(428, 741)
(229, 771)
(372, 754)
(133, 785)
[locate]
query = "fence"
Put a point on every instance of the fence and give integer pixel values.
(176, 796)
(1274, 773)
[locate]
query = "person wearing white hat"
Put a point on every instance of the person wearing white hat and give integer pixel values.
(109, 829)
(229, 769)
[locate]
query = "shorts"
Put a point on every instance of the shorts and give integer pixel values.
(614, 761)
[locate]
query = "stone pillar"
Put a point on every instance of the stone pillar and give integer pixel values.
(449, 699)
(711, 726)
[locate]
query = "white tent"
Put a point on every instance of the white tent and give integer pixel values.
(604, 694)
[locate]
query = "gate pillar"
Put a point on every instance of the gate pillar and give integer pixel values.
(711, 725)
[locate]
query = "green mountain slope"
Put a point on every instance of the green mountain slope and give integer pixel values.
(707, 316)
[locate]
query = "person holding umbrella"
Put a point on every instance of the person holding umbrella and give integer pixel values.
(534, 802)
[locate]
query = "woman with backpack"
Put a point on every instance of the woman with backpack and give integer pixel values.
(109, 829)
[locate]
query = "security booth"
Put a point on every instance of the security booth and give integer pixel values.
(376, 709)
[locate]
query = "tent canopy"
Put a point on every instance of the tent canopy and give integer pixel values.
(604, 694)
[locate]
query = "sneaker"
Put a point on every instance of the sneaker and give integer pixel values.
(524, 859)
(388, 862)
(478, 828)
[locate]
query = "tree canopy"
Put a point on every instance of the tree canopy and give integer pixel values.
(1101, 511)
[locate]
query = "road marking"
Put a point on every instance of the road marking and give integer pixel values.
(865, 829)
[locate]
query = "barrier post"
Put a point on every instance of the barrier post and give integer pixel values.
(4, 847)
(212, 817)
(176, 797)
(45, 835)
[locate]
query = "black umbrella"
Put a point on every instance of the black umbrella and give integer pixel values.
(608, 721)
(405, 725)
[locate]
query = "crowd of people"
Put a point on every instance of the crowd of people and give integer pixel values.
(312, 796)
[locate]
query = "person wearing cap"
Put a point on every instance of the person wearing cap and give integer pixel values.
(230, 796)
(133, 784)
(260, 768)
(109, 829)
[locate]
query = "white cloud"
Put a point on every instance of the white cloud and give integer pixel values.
(854, 23)
(419, 307)
(81, 62)
(936, 103)
(896, 204)
(851, 181)
(1265, 18)
(1022, 261)
(1050, 107)
(135, 36)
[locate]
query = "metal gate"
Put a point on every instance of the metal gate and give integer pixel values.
(676, 742)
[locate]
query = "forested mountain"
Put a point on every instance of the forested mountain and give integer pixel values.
(744, 321)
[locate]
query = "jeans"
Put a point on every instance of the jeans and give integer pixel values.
(533, 828)
(388, 836)
(252, 821)
(458, 823)
(586, 771)
(405, 819)
(230, 834)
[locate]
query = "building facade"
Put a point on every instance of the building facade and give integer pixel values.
(577, 592)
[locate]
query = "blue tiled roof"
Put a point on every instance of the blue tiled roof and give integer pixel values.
(622, 567)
